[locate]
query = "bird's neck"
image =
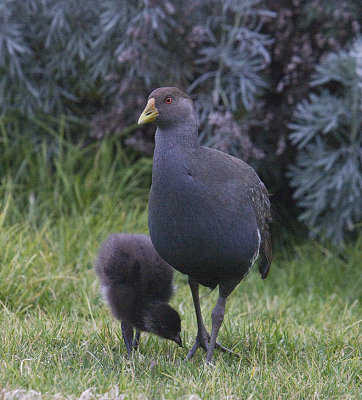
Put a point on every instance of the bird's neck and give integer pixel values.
(177, 138)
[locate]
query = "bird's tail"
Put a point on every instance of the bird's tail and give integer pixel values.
(112, 263)
(266, 257)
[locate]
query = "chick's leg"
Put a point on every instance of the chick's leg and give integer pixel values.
(136, 339)
(127, 333)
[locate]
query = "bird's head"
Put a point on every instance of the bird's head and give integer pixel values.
(167, 106)
(162, 320)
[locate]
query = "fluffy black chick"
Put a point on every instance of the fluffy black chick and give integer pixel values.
(137, 284)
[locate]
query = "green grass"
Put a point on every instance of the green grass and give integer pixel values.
(298, 332)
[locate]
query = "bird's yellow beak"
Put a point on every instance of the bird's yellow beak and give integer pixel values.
(149, 114)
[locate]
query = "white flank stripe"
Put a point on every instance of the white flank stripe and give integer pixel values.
(256, 255)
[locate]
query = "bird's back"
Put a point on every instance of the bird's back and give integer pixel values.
(129, 263)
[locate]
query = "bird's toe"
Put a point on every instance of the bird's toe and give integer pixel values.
(225, 349)
(200, 341)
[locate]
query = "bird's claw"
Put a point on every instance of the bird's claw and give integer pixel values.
(202, 340)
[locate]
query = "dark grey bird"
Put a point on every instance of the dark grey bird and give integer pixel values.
(209, 212)
(137, 284)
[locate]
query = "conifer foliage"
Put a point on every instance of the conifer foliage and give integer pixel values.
(44, 48)
(327, 131)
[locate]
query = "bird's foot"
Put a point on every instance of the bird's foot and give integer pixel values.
(202, 340)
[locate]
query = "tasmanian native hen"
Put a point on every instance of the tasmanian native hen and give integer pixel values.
(209, 212)
(137, 284)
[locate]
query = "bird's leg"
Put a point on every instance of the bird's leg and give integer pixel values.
(136, 339)
(217, 315)
(127, 333)
(202, 337)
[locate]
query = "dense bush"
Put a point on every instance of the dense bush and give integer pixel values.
(304, 31)
(327, 131)
(44, 50)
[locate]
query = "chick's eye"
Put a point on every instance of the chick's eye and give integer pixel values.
(168, 100)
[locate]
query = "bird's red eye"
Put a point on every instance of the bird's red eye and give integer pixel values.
(168, 100)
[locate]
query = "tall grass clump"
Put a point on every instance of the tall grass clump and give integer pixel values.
(53, 177)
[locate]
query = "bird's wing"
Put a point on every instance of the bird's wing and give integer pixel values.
(259, 198)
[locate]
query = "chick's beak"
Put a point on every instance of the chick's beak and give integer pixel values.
(149, 114)
(178, 340)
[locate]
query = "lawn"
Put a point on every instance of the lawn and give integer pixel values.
(298, 332)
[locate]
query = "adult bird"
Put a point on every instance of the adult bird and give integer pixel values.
(209, 212)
